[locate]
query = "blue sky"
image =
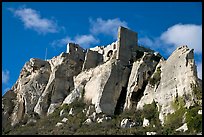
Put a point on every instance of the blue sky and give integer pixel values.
(28, 28)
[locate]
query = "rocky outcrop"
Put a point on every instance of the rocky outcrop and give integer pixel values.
(43, 85)
(178, 73)
(126, 123)
(109, 79)
(141, 71)
(29, 87)
(101, 86)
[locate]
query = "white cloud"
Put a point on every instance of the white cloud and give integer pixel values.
(84, 41)
(184, 34)
(146, 41)
(175, 36)
(108, 27)
(199, 70)
(61, 42)
(5, 76)
(33, 20)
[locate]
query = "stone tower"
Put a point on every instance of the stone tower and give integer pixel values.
(127, 42)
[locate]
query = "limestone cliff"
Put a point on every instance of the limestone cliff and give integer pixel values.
(115, 78)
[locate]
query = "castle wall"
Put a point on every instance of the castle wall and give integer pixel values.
(92, 59)
(110, 48)
(127, 42)
(76, 52)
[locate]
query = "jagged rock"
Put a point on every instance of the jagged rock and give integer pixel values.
(72, 96)
(109, 79)
(178, 73)
(8, 103)
(141, 71)
(60, 82)
(84, 110)
(99, 120)
(29, 87)
(59, 124)
(90, 110)
(151, 133)
(126, 123)
(64, 120)
(62, 112)
(183, 128)
(52, 107)
(108, 118)
(103, 118)
(145, 122)
(31, 121)
(200, 112)
(93, 116)
(71, 112)
(103, 89)
(87, 121)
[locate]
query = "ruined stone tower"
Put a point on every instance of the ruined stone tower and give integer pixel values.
(127, 42)
(123, 50)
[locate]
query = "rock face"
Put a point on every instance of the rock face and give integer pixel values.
(178, 73)
(141, 71)
(110, 79)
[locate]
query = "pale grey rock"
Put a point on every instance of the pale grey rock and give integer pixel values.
(140, 73)
(200, 112)
(62, 112)
(126, 123)
(64, 119)
(178, 72)
(71, 112)
(151, 133)
(29, 87)
(87, 121)
(60, 83)
(183, 128)
(59, 124)
(93, 116)
(108, 118)
(31, 121)
(103, 89)
(84, 110)
(8, 104)
(145, 122)
(99, 120)
(76, 93)
(199, 133)
(90, 110)
(52, 107)
(109, 78)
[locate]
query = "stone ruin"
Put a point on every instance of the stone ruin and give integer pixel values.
(124, 49)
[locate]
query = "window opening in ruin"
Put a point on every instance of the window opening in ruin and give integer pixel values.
(110, 53)
(114, 46)
(76, 48)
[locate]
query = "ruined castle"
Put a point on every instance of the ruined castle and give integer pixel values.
(124, 49)
(109, 79)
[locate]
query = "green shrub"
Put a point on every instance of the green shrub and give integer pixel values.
(156, 77)
(197, 91)
(174, 120)
(151, 113)
(150, 110)
(194, 120)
